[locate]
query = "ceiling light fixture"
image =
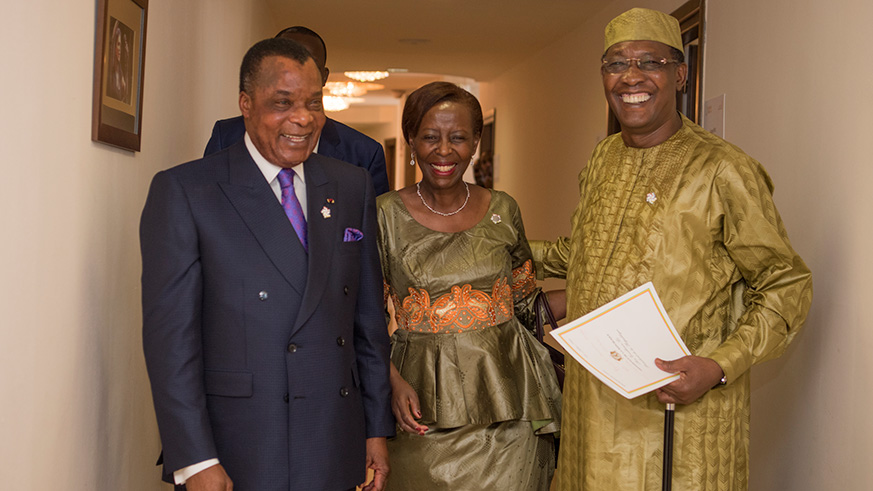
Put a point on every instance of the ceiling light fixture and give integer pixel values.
(345, 89)
(333, 103)
(351, 89)
(366, 76)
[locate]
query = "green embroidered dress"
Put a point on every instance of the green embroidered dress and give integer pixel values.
(486, 386)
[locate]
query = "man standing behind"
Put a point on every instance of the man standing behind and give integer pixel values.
(666, 201)
(263, 325)
(337, 140)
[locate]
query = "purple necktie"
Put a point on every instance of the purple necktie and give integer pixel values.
(292, 205)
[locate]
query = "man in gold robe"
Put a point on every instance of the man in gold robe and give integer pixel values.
(668, 202)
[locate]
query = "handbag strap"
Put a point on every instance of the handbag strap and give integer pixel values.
(541, 304)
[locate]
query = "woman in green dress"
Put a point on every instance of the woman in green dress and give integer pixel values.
(475, 397)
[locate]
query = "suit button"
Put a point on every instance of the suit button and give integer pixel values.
(292, 348)
(344, 392)
(340, 341)
(346, 290)
(263, 296)
(285, 397)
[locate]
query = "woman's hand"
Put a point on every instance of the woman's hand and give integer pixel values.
(404, 404)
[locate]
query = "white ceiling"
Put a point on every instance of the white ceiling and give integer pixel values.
(477, 39)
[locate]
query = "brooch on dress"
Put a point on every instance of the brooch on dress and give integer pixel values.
(651, 198)
(495, 218)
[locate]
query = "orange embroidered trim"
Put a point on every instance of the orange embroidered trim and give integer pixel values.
(386, 292)
(464, 308)
(524, 280)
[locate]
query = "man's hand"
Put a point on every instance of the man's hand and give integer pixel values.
(377, 459)
(210, 479)
(696, 376)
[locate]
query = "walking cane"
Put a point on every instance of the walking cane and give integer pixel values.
(667, 473)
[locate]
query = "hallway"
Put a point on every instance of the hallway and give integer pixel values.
(77, 412)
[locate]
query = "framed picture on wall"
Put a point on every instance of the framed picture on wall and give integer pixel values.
(119, 58)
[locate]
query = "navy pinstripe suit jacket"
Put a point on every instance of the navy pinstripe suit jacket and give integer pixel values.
(273, 360)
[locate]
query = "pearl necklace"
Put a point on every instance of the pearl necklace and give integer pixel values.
(418, 191)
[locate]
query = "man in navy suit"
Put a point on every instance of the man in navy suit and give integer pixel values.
(263, 326)
(337, 140)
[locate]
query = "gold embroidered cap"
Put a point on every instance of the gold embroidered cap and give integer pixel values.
(643, 25)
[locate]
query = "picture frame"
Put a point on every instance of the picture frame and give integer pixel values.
(119, 61)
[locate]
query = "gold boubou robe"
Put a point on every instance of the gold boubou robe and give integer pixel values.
(695, 216)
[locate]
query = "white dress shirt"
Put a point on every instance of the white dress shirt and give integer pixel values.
(271, 173)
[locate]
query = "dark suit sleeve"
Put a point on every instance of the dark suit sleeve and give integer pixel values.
(214, 143)
(377, 170)
(371, 334)
(172, 294)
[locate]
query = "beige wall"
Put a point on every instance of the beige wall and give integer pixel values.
(796, 85)
(794, 81)
(361, 118)
(76, 412)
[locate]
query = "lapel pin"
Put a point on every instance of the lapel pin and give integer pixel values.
(325, 212)
(651, 198)
(330, 200)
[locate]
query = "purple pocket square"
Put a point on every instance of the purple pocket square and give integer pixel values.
(352, 235)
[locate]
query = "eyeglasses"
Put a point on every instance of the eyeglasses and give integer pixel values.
(621, 65)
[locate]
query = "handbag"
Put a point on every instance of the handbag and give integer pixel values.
(542, 310)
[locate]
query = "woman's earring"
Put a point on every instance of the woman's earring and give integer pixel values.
(412, 161)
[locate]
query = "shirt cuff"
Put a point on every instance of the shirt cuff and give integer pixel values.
(733, 360)
(182, 475)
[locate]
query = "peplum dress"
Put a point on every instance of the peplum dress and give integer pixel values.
(486, 386)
